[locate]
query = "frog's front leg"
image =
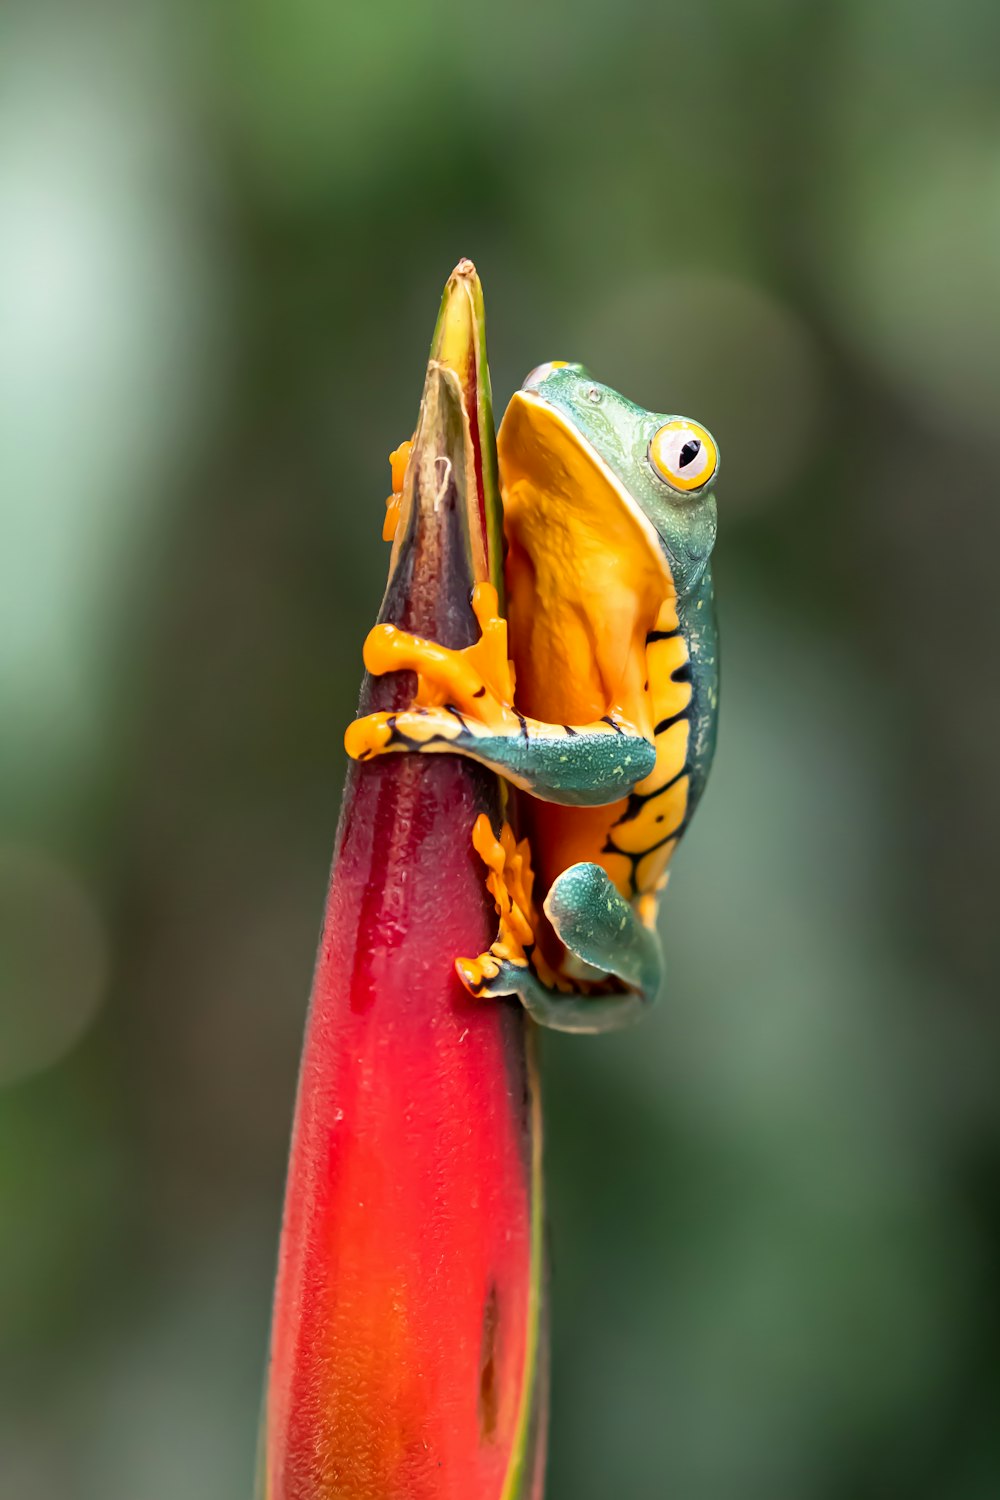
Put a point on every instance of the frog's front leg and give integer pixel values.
(465, 706)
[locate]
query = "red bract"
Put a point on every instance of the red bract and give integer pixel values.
(406, 1357)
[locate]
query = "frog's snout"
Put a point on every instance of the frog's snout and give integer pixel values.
(540, 373)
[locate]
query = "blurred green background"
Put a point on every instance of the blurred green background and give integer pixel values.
(224, 227)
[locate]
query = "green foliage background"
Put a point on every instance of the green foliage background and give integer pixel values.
(224, 226)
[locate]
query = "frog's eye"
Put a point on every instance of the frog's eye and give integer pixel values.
(542, 372)
(684, 454)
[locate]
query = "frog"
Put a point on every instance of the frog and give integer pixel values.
(593, 694)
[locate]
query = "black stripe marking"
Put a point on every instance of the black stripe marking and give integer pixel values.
(637, 800)
(673, 719)
(662, 635)
(523, 723)
(636, 859)
(400, 737)
(607, 719)
(674, 833)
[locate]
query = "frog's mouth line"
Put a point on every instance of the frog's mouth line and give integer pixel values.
(538, 443)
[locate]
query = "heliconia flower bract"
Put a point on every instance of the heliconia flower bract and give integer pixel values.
(407, 1347)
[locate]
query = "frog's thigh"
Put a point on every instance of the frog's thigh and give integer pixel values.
(584, 767)
(600, 927)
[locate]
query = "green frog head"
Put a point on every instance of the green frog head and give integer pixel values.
(662, 467)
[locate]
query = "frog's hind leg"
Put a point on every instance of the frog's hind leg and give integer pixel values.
(599, 928)
(596, 924)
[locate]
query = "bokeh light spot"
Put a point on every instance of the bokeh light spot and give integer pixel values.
(725, 353)
(914, 271)
(53, 961)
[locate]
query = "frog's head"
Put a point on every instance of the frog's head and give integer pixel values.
(663, 468)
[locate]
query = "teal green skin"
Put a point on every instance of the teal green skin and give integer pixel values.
(610, 952)
(583, 765)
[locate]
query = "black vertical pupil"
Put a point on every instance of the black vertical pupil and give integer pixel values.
(690, 452)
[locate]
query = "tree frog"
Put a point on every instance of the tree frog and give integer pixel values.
(610, 636)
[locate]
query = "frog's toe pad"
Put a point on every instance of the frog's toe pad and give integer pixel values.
(368, 736)
(490, 978)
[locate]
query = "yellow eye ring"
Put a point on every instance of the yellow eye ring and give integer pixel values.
(684, 454)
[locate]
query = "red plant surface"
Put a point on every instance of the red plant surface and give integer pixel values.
(406, 1357)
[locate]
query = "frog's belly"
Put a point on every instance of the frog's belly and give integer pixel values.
(561, 679)
(633, 839)
(564, 836)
